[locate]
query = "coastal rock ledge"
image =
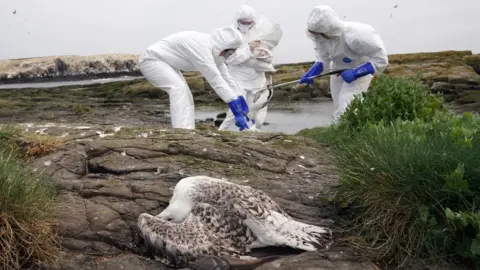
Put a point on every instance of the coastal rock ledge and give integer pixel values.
(106, 182)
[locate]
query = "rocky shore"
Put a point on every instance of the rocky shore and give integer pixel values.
(108, 175)
(117, 158)
(453, 73)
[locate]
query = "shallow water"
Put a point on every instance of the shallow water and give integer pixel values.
(65, 83)
(286, 118)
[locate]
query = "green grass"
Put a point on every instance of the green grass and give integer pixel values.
(410, 176)
(402, 177)
(27, 202)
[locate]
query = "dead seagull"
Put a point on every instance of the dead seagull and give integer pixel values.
(206, 239)
(270, 225)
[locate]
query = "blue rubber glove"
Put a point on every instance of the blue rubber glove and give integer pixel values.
(237, 108)
(314, 70)
(352, 74)
(244, 105)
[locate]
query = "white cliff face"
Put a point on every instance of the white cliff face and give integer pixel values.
(28, 69)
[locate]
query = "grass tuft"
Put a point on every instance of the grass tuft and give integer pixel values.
(27, 202)
(400, 178)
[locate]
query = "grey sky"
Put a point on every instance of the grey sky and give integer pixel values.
(83, 27)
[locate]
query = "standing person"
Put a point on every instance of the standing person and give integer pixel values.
(248, 79)
(162, 63)
(344, 45)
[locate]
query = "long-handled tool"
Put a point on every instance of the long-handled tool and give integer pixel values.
(296, 81)
(270, 88)
(255, 108)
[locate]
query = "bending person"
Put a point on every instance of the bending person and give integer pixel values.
(344, 45)
(162, 63)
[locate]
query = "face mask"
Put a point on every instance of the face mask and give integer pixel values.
(243, 28)
(244, 25)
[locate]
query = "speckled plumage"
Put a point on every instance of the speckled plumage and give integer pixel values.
(206, 231)
(227, 219)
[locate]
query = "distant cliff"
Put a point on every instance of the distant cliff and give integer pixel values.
(455, 74)
(71, 67)
(58, 68)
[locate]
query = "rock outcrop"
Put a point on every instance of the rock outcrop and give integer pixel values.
(58, 68)
(106, 182)
(453, 73)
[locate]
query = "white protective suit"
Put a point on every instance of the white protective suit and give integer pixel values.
(349, 45)
(162, 63)
(248, 79)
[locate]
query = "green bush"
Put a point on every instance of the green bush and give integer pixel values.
(27, 201)
(414, 186)
(389, 98)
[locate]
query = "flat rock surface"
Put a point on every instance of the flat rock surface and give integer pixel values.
(107, 181)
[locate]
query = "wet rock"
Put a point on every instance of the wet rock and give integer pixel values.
(219, 119)
(218, 122)
(116, 178)
(336, 259)
(301, 96)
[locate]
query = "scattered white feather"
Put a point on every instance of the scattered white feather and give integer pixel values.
(82, 127)
(41, 131)
(102, 134)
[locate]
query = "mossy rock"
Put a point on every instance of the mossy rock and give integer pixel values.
(442, 56)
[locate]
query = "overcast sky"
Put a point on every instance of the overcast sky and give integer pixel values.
(83, 27)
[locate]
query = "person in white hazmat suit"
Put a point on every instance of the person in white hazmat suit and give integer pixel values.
(248, 79)
(344, 45)
(162, 63)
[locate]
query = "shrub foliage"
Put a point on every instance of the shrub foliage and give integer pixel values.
(416, 186)
(410, 174)
(389, 99)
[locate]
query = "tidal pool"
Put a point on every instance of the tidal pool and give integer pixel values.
(285, 118)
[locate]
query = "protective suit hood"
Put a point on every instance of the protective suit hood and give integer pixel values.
(223, 38)
(323, 19)
(245, 12)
